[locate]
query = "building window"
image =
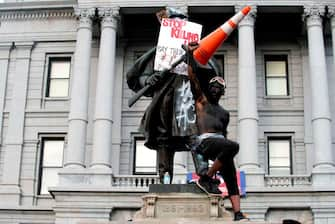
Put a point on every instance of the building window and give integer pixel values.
(276, 75)
(145, 159)
(279, 155)
(58, 79)
(51, 162)
(220, 63)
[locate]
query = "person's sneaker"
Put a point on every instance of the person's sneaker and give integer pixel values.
(216, 182)
(239, 216)
(207, 186)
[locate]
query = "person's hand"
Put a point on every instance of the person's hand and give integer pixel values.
(190, 48)
(153, 79)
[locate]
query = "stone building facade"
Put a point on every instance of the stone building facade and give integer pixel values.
(68, 139)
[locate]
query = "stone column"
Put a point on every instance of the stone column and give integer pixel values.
(323, 166)
(14, 138)
(331, 14)
(5, 49)
(75, 153)
(117, 107)
(247, 107)
(102, 137)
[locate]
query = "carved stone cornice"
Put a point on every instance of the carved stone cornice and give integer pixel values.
(313, 14)
(248, 20)
(109, 17)
(85, 16)
(36, 15)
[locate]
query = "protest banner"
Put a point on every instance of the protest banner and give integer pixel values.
(172, 35)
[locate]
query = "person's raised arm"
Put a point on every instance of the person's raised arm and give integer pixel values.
(195, 84)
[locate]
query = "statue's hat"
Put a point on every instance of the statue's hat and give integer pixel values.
(173, 13)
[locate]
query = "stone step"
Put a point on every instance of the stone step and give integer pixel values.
(180, 221)
(175, 188)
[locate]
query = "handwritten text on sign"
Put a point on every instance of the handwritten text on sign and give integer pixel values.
(173, 33)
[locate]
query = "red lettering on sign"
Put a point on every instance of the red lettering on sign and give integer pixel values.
(165, 22)
(183, 34)
(175, 23)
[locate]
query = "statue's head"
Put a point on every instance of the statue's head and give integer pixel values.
(170, 12)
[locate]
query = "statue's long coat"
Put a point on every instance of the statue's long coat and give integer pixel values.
(169, 120)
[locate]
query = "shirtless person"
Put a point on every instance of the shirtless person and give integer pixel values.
(212, 122)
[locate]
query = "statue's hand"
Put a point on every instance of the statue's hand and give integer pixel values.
(153, 79)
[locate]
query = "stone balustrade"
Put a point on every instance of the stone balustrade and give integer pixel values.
(138, 182)
(142, 182)
(288, 181)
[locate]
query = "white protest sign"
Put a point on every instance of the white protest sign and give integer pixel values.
(173, 33)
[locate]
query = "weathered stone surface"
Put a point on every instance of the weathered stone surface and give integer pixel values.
(175, 188)
(166, 201)
(180, 205)
(179, 221)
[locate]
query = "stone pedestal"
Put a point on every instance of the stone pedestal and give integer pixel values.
(179, 221)
(180, 201)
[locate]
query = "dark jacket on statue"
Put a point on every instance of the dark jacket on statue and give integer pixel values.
(170, 119)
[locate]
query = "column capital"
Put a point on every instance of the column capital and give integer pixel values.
(331, 15)
(5, 49)
(109, 16)
(331, 11)
(314, 10)
(313, 14)
(248, 20)
(85, 16)
(24, 49)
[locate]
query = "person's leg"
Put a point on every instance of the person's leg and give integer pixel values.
(205, 182)
(235, 202)
(221, 149)
(214, 168)
(200, 163)
(228, 171)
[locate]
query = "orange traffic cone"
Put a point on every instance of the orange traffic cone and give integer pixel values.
(209, 44)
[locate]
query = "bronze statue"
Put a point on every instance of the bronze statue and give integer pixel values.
(169, 120)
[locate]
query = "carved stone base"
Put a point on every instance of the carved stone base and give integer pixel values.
(180, 201)
(180, 204)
